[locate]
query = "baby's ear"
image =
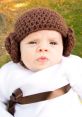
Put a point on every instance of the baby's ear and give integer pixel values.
(13, 47)
(69, 42)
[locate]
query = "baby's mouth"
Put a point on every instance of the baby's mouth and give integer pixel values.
(42, 59)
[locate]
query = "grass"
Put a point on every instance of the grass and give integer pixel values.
(71, 11)
(4, 59)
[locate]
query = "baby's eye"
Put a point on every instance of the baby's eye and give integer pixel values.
(32, 42)
(53, 43)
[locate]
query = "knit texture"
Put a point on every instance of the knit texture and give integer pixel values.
(34, 20)
(40, 19)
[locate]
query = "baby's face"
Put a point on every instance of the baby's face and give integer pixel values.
(41, 49)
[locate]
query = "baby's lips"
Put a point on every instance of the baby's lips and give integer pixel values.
(42, 58)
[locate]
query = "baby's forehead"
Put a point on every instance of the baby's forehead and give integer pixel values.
(43, 35)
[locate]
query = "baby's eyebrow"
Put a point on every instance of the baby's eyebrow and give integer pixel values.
(36, 39)
(53, 39)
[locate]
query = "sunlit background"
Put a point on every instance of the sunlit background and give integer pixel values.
(10, 10)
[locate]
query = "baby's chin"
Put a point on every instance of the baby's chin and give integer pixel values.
(36, 69)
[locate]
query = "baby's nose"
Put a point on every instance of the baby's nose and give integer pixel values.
(43, 47)
(43, 50)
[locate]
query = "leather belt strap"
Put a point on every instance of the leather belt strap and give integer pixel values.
(17, 97)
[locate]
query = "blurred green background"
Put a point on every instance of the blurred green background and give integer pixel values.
(10, 10)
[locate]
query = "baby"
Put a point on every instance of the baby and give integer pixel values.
(43, 79)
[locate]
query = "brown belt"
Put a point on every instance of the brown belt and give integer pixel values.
(17, 97)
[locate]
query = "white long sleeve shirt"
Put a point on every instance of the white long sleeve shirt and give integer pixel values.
(13, 76)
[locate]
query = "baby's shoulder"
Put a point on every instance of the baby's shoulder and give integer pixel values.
(8, 65)
(73, 63)
(73, 59)
(12, 68)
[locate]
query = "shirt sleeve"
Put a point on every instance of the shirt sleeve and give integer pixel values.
(75, 74)
(3, 99)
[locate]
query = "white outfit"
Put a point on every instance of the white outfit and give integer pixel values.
(13, 76)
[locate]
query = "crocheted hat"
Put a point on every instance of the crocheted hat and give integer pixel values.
(34, 20)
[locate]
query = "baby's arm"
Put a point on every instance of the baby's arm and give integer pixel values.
(3, 106)
(75, 74)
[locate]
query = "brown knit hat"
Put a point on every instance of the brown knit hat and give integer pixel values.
(34, 20)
